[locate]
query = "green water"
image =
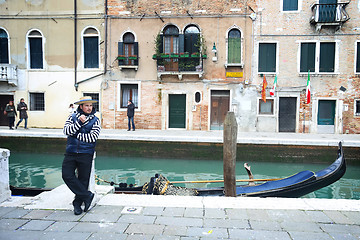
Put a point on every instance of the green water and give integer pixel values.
(44, 171)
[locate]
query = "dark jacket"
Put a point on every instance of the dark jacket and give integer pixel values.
(130, 110)
(11, 111)
(82, 137)
(22, 108)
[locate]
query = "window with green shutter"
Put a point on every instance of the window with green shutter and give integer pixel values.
(327, 57)
(307, 57)
(290, 5)
(267, 57)
(234, 46)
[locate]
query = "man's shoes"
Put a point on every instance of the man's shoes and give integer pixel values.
(16, 127)
(128, 129)
(133, 129)
(77, 206)
(88, 201)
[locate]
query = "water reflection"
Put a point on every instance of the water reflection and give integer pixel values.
(44, 171)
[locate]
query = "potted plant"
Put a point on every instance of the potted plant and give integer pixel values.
(164, 55)
(196, 55)
(184, 55)
(133, 57)
(174, 55)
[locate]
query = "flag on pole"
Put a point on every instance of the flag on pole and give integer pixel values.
(263, 91)
(272, 91)
(308, 93)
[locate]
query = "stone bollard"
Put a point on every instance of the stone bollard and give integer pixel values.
(5, 192)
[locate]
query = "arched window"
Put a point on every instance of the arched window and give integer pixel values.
(171, 45)
(192, 38)
(35, 41)
(91, 48)
(234, 46)
(128, 50)
(4, 47)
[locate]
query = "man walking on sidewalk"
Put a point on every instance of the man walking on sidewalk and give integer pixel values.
(83, 129)
(22, 108)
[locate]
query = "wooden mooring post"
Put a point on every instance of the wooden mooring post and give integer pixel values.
(229, 154)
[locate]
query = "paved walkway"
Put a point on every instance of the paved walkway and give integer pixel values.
(349, 140)
(119, 216)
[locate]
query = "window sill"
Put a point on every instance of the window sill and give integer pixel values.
(128, 67)
(180, 74)
(315, 74)
(267, 74)
(234, 65)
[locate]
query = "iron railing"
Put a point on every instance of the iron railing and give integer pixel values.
(329, 14)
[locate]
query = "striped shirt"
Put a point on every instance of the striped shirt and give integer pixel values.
(72, 128)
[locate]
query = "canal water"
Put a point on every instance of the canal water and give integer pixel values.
(43, 170)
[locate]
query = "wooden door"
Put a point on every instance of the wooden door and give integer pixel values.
(177, 110)
(287, 114)
(220, 105)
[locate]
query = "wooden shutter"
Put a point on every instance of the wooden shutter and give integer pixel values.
(267, 57)
(327, 57)
(290, 5)
(358, 57)
(91, 52)
(36, 54)
(136, 53)
(234, 50)
(120, 52)
(307, 57)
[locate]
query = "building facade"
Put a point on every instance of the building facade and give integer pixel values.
(185, 64)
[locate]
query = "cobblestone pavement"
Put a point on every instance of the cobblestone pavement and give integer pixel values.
(110, 219)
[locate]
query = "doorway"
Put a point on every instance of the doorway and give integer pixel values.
(220, 102)
(287, 114)
(177, 110)
(326, 116)
(4, 100)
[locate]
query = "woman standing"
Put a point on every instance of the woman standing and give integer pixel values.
(11, 113)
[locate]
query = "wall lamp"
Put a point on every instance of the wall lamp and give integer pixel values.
(215, 53)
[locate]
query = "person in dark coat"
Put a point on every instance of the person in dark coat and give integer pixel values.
(130, 115)
(11, 113)
(22, 108)
(82, 129)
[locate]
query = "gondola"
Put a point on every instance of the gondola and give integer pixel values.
(294, 186)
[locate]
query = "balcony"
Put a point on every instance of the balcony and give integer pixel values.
(128, 62)
(329, 15)
(179, 64)
(8, 73)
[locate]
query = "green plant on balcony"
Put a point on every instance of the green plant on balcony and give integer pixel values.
(201, 45)
(174, 55)
(184, 55)
(133, 57)
(121, 57)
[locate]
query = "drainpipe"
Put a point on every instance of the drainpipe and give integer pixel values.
(106, 35)
(75, 45)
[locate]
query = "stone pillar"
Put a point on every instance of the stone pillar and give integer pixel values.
(5, 192)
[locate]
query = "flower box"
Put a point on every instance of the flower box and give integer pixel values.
(195, 55)
(121, 57)
(165, 55)
(155, 56)
(132, 57)
(204, 56)
(174, 55)
(184, 55)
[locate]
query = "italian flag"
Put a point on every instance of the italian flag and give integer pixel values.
(308, 93)
(272, 91)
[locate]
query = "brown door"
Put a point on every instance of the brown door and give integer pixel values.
(220, 102)
(4, 100)
(171, 46)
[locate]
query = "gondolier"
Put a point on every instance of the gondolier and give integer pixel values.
(83, 129)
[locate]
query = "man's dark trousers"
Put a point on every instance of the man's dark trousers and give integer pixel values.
(82, 162)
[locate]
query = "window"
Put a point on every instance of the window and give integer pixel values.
(129, 92)
(266, 108)
(317, 61)
(234, 46)
(4, 47)
(357, 107)
(35, 41)
(37, 102)
(357, 57)
(192, 39)
(290, 5)
(91, 48)
(128, 50)
(197, 97)
(267, 57)
(94, 96)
